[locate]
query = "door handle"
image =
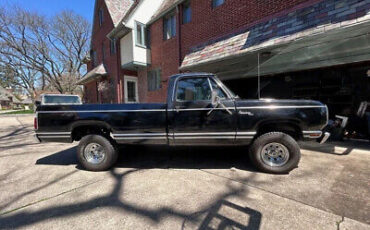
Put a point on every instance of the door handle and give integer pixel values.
(177, 108)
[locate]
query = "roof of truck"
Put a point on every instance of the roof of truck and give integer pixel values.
(190, 74)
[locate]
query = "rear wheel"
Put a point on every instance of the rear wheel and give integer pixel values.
(275, 152)
(96, 153)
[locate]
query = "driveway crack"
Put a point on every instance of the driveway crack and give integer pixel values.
(339, 222)
(48, 198)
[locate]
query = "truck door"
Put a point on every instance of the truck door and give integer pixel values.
(193, 118)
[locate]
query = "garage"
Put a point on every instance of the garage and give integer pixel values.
(330, 64)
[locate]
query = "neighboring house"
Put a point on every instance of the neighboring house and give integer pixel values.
(8, 100)
(4, 102)
(314, 49)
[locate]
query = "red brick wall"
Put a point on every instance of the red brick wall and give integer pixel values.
(165, 55)
(209, 23)
(99, 39)
(90, 93)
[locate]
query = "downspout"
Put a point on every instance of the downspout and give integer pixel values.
(118, 84)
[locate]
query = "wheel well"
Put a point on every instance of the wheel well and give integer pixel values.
(84, 130)
(285, 127)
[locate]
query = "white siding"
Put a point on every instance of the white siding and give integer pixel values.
(144, 12)
(130, 52)
(127, 49)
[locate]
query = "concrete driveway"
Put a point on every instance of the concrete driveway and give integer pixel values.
(41, 187)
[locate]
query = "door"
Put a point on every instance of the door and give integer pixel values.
(131, 91)
(195, 121)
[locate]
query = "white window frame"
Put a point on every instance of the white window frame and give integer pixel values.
(143, 34)
(187, 5)
(171, 17)
(135, 80)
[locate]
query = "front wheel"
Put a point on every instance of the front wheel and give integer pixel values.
(275, 152)
(96, 153)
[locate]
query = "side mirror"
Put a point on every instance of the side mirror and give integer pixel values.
(37, 103)
(216, 102)
(215, 99)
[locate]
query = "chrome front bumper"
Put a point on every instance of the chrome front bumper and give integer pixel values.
(324, 137)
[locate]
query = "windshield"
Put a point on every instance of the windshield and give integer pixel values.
(233, 95)
(63, 99)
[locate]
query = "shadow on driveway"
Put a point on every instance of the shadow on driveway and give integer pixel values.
(202, 218)
(147, 157)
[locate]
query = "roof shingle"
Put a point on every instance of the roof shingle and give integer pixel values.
(118, 9)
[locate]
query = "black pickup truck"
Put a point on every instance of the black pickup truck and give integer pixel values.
(200, 110)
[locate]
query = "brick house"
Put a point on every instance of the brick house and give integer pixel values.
(102, 83)
(317, 49)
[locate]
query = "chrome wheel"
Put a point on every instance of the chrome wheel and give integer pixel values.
(275, 154)
(94, 153)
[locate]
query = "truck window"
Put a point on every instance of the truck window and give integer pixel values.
(217, 88)
(61, 99)
(193, 89)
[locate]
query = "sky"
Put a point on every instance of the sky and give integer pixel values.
(52, 7)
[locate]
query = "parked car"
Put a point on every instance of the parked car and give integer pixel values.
(200, 110)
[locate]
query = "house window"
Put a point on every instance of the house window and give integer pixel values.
(169, 27)
(113, 48)
(154, 80)
(216, 3)
(93, 57)
(140, 32)
(101, 17)
(186, 13)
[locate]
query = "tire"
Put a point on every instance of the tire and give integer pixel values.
(275, 153)
(96, 153)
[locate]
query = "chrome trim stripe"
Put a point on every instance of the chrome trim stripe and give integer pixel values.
(244, 137)
(203, 137)
(139, 138)
(185, 134)
(246, 133)
(51, 133)
(282, 107)
(106, 111)
(139, 134)
(54, 137)
(200, 109)
(204, 134)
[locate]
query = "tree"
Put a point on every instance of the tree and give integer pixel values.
(37, 50)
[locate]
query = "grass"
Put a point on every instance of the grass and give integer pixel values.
(19, 112)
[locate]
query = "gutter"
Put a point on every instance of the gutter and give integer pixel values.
(119, 31)
(151, 21)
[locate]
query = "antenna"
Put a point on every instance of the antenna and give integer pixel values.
(259, 78)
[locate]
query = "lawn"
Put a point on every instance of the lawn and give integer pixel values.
(19, 112)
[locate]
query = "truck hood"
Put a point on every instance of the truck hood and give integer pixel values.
(275, 102)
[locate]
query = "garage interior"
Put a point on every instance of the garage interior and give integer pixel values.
(332, 67)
